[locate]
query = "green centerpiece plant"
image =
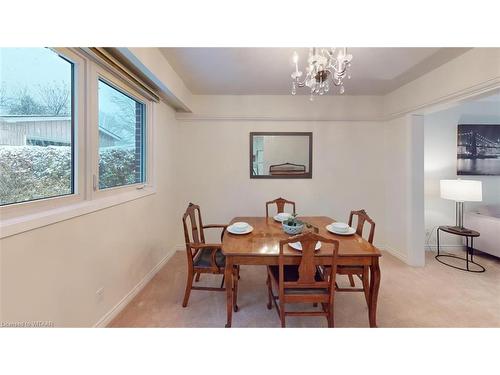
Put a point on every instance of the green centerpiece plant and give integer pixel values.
(293, 225)
(292, 221)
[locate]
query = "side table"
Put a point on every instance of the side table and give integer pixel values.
(469, 250)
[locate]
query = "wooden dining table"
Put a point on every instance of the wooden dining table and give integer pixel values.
(261, 247)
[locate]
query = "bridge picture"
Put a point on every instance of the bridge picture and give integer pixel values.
(478, 150)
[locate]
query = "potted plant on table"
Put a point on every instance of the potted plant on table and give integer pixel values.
(292, 225)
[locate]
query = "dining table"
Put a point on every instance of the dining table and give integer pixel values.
(261, 247)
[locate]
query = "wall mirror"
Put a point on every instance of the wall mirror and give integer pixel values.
(280, 155)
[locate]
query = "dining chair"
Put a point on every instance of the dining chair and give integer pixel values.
(280, 205)
(359, 271)
(303, 283)
(203, 257)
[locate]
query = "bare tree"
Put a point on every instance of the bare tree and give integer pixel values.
(126, 107)
(122, 121)
(55, 97)
(3, 96)
(24, 104)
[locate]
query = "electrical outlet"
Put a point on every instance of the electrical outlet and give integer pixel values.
(99, 294)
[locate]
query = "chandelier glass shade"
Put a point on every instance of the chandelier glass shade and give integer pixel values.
(325, 67)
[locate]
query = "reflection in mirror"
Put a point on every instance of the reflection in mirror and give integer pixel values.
(280, 155)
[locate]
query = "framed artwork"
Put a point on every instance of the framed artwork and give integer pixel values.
(478, 150)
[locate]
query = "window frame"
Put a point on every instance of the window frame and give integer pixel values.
(23, 216)
(12, 210)
(100, 73)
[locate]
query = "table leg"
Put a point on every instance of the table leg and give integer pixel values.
(374, 287)
(467, 252)
(472, 249)
(229, 289)
(437, 236)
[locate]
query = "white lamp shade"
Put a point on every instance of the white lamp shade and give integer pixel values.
(462, 190)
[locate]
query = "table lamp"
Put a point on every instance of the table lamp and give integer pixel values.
(461, 191)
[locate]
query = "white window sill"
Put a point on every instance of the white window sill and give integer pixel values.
(25, 223)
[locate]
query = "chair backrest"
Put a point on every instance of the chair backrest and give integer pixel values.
(309, 262)
(363, 217)
(192, 220)
(280, 205)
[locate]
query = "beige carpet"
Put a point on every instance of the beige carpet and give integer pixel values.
(432, 296)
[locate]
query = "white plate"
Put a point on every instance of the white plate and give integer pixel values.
(339, 227)
(240, 226)
(298, 245)
(230, 230)
(276, 217)
(349, 232)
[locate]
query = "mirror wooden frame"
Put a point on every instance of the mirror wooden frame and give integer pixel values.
(305, 175)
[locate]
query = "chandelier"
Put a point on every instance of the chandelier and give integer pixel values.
(326, 66)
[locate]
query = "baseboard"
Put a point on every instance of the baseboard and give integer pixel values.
(111, 314)
(429, 247)
(400, 256)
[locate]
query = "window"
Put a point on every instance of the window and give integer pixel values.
(36, 125)
(121, 138)
(76, 135)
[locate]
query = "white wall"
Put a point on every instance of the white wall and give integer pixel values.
(403, 170)
(285, 107)
(441, 162)
(152, 63)
(53, 273)
(476, 70)
(405, 141)
(347, 160)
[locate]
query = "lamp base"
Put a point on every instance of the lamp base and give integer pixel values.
(459, 215)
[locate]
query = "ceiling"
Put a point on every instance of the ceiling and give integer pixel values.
(266, 71)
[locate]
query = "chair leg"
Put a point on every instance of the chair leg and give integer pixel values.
(270, 293)
(325, 308)
(235, 295)
(366, 285)
(331, 321)
(189, 284)
(351, 281)
(198, 274)
(282, 314)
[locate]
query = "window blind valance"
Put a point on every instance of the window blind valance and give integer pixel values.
(108, 60)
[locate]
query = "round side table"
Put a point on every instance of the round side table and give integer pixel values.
(469, 250)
